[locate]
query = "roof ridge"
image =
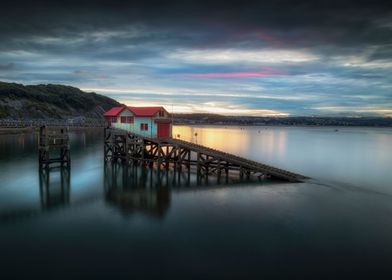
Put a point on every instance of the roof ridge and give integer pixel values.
(145, 111)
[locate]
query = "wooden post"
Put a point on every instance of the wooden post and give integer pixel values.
(198, 164)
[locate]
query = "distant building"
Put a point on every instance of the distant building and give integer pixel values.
(150, 122)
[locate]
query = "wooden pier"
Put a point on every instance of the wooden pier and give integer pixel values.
(128, 148)
(53, 140)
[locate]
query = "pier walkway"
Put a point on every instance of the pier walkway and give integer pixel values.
(130, 148)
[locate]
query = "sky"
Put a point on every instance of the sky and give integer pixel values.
(264, 58)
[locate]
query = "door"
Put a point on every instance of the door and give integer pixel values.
(163, 129)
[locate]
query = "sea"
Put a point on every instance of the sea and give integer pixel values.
(104, 221)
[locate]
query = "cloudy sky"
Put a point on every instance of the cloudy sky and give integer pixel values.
(271, 58)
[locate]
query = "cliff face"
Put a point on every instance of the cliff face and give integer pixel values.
(51, 102)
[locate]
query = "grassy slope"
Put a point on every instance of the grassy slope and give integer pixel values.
(50, 101)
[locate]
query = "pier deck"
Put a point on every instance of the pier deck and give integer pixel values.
(130, 148)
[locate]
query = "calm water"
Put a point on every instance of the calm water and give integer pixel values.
(96, 221)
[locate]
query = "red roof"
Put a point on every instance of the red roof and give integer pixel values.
(145, 111)
(114, 111)
(137, 111)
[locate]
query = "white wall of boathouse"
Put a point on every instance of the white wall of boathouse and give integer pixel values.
(136, 125)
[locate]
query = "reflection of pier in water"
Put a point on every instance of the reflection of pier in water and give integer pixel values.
(54, 190)
(137, 189)
(54, 186)
(148, 190)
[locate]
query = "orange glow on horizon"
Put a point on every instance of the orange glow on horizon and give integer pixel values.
(210, 108)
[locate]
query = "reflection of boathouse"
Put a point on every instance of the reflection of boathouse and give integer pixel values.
(153, 202)
(136, 189)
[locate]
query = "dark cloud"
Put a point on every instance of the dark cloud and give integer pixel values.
(340, 52)
(7, 67)
(338, 22)
(381, 52)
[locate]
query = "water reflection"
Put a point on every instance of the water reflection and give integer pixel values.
(230, 139)
(290, 229)
(54, 192)
(54, 186)
(137, 189)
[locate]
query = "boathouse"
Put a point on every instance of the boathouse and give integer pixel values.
(152, 122)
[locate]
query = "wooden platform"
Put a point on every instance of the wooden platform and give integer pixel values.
(53, 140)
(130, 148)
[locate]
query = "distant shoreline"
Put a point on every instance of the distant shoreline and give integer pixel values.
(282, 125)
(210, 119)
(22, 130)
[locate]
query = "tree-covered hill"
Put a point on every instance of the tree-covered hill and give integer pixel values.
(50, 102)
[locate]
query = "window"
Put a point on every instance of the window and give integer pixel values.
(161, 113)
(114, 119)
(144, 126)
(127, 119)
